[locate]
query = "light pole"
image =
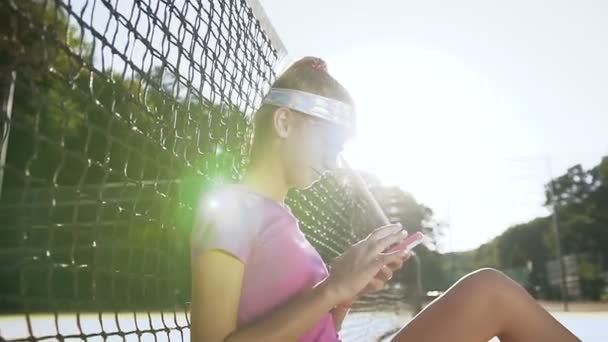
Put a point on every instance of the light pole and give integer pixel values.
(556, 235)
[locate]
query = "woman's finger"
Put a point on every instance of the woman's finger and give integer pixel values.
(395, 265)
(386, 273)
(391, 258)
(387, 241)
(384, 231)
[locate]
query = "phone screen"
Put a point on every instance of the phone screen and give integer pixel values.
(409, 243)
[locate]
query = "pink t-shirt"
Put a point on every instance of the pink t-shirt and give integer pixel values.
(265, 236)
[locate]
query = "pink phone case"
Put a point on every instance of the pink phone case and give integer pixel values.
(409, 243)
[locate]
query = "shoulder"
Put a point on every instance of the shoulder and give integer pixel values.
(229, 202)
(228, 219)
(233, 209)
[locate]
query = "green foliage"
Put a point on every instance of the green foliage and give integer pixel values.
(581, 202)
(107, 166)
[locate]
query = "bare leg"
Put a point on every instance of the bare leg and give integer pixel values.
(481, 305)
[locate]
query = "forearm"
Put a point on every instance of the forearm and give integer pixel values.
(338, 314)
(290, 321)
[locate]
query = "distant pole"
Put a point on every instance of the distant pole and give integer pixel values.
(451, 232)
(452, 252)
(556, 235)
(419, 292)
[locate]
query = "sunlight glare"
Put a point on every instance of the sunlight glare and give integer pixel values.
(428, 122)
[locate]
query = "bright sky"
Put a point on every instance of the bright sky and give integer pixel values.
(468, 105)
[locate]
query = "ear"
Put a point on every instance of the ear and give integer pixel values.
(282, 121)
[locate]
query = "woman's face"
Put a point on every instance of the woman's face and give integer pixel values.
(311, 149)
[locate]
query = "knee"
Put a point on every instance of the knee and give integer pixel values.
(489, 276)
(489, 283)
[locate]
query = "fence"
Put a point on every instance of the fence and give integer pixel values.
(115, 116)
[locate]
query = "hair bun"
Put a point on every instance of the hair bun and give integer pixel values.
(311, 62)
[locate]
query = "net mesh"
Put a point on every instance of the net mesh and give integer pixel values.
(115, 116)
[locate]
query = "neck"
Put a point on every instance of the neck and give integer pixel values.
(265, 176)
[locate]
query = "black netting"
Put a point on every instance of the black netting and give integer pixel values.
(122, 113)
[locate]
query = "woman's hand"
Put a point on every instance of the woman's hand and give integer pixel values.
(351, 272)
(384, 275)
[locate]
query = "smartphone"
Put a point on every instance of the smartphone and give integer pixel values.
(408, 244)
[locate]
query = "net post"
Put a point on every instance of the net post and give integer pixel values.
(260, 14)
(7, 87)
